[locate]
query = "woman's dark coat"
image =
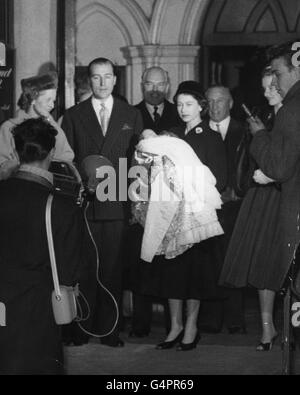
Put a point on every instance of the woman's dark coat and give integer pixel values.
(278, 155)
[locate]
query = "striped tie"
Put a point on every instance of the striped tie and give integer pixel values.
(103, 118)
(156, 115)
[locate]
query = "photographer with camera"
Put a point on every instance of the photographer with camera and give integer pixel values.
(30, 343)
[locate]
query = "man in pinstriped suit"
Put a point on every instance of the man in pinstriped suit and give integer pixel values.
(83, 125)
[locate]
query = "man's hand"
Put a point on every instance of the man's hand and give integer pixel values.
(261, 178)
(255, 124)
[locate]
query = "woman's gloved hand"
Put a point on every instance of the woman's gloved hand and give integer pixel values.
(261, 178)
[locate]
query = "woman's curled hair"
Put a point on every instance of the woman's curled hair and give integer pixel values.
(34, 139)
(24, 102)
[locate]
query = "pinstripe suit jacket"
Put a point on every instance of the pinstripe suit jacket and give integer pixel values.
(85, 136)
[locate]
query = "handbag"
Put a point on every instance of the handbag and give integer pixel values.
(63, 297)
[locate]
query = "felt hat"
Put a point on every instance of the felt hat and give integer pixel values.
(39, 83)
(190, 88)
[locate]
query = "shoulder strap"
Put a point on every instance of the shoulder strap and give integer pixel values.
(51, 247)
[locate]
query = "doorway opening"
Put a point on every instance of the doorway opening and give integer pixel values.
(239, 68)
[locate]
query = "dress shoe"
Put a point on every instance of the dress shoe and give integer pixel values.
(205, 328)
(170, 344)
(237, 330)
(189, 346)
(112, 341)
(76, 341)
(137, 333)
(267, 346)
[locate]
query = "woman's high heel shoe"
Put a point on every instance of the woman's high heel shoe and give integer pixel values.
(170, 344)
(189, 346)
(267, 346)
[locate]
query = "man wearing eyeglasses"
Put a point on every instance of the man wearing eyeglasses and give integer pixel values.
(158, 113)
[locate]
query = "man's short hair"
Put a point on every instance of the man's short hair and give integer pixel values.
(219, 86)
(34, 139)
(282, 51)
(164, 72)
(101, 61)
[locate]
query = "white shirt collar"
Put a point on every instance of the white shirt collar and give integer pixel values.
(96, 103)
(223, 125)
(150, 108)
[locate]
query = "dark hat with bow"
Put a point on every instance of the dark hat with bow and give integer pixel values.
(193, 88)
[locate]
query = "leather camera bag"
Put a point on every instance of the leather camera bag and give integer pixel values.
(63, 297)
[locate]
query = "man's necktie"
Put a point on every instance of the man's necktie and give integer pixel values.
(219, 131)
(103, 118)
(156, 115)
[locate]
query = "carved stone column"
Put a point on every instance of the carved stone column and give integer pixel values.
(68, 49)
(181, 62)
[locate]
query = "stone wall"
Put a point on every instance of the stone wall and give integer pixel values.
(132, 33)
(34, 37)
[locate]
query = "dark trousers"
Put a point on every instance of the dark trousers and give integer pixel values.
(142, 304)
(108, 236)
(142, 313)
(229, 309)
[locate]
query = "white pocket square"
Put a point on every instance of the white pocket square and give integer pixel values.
(126, 127)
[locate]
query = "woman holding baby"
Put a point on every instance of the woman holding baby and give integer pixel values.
(189, 277)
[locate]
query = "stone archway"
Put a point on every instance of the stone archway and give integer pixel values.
(257, 22)
(148, 35)
(243, 23)
(145, 33)
(233, 36)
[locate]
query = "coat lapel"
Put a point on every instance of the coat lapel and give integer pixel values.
(233, 133)
(167, 112)
(94, 128)
(180, 131)
(146, 115)
(114, 127)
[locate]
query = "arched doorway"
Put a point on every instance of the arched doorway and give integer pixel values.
(234, 36)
